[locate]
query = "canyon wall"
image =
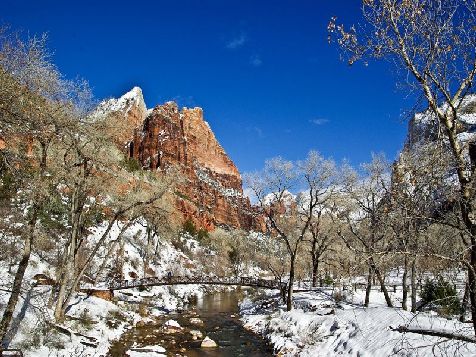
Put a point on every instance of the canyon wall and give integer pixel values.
(209, 190)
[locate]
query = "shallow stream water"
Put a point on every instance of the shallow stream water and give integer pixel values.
(219, 313)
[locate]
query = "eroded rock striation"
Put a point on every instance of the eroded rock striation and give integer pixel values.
(211, 191)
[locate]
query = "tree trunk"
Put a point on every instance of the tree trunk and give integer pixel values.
(315, 268)
(314, 260)
(289, 299)
(77, 277)
(414, 285)
(404, 283)
(464, 305)
(472, 286)
(63, 285)
(467, 196)
(431, 332)
(369, 286)
(382, 285)
(103, 265)
(17, 282)
(76, 213)
(51, 298)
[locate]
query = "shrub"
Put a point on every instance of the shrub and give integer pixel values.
(183, 196)
(202, 235)
(441, 294)
(143, 310)
(328, 280)
(189, 227)
(114, 318)
(179, 244)
(234, 256)
(54, 341)
(86, 320)
(7, 184)
(339, 296)
(32, 340)
(131, 164)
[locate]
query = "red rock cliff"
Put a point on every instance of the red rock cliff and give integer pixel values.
(211, 193)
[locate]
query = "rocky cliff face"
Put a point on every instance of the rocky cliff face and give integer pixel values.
(426, 158)
(129, 110)
(424, 126)
(211, 192)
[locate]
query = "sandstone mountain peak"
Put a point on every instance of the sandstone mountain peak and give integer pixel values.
(164, 136)
(130, 111)
(132, 100)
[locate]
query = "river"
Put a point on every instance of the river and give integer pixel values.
(219, 313)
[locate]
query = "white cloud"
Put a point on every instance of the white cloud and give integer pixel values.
(255, 130)
(185, 101)
(255, 60)
(236, 42)
(258, 131)
(319, 121)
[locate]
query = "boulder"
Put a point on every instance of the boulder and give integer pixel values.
(208, 343)
(196, 334)
(196, 321)
(172, 326)
(39, 279)
(107, 295)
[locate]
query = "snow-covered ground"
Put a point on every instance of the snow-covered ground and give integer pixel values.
(320, 326)
(92, 323)
(317, 326)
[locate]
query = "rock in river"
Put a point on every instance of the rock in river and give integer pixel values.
(196, 334)
(208, 342)
(196, 321)
(172, 326)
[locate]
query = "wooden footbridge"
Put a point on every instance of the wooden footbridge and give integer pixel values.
(204, 280)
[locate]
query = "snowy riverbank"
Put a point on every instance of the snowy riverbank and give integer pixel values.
(319, 326)
(91, 323)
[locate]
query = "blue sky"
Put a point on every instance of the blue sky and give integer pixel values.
(263, 72)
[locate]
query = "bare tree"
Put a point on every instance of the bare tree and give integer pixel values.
(97, 182)
(272, 255)
(68, 156)
(419, 198)
(34, 102)
(323, 232)
(289, 218)
(272, 188)
(366, 217)
(321, 178)
(433, 42)
(240, 251)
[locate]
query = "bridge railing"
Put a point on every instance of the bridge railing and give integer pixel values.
(177, 280)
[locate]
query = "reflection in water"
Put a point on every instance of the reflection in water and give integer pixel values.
(218, 312)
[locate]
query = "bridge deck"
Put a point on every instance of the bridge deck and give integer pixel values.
(180, 280)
